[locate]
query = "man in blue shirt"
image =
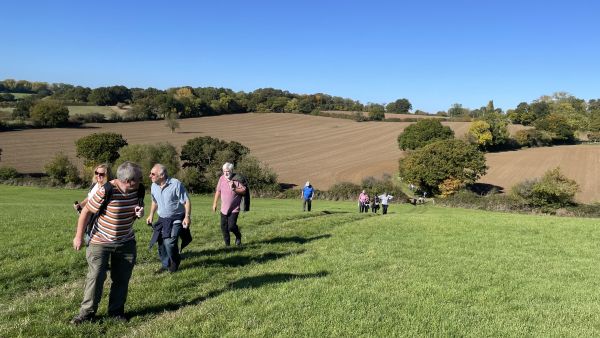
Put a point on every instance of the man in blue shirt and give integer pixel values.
(307, 195)
(170, 198)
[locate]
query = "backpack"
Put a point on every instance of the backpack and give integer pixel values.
(245, 204)
(108, 191)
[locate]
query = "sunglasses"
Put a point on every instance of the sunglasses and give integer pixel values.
(99, 174)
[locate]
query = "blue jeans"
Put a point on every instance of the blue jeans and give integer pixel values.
(168, 250)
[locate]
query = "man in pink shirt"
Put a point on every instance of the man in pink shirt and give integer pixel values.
(230, 191)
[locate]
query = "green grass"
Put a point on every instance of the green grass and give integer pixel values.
(21, 95)
(84, 110)
(419, 271)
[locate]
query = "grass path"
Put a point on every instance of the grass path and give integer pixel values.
(333, 272)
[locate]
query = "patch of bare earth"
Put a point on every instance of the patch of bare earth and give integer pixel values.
(298, 147)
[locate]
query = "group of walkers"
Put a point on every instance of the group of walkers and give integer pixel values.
(365, 202)
(105, 225)
(107, 214)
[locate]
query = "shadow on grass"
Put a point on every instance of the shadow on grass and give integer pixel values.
(244, 283)
(293, 239)
(239, 260)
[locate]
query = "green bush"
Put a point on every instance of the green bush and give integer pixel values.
(194, 180)
(533, 138)
(431, 165)
(594, 136)
(261, 179)
(49, 113)
(424, 132)
(147, 155)
(377, 116)
(99, 148)
(7, 173)
(61, 170)
(343, 191)
(553, 190)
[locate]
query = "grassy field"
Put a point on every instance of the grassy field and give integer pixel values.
(84, 110)
(333, 272)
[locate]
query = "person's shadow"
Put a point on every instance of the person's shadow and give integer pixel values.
(243, 283)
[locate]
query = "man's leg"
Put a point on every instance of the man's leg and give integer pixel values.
(233, 227)
(122, 262)
(162, 253)
(97, 258)
(172, 249)
(303, 204)
(309, 202)
(225, 230)
(385, 209)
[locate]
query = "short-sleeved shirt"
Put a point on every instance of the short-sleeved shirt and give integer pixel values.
(170, 198)
(115, 225)
(230, 201)
(384, 198)
(307, 192)
(93, 190)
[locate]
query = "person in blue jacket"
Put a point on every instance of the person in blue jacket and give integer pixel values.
(307, 196)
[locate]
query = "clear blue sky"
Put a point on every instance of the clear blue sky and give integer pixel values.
(434, 53)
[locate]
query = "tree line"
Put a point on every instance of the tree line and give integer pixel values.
(180, 102)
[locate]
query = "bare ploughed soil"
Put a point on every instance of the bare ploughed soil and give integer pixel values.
(301, 147)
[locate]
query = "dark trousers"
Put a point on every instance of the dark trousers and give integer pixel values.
(363, 207)
(168, 250)
(384, 208)
(122, 259)
(307, 203)
(229, 224)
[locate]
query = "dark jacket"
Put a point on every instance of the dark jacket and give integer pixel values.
(162, 229)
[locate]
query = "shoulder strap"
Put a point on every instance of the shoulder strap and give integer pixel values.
(141, 193)
(108, 192)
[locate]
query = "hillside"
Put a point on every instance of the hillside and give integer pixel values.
(301, 147)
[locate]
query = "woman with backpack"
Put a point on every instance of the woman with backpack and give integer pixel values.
(101, 176)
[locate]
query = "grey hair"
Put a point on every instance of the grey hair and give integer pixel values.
(128, 171)
(161, 169)
(228, 166)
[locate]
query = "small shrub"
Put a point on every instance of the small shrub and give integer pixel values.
(114, 117)
(533, 138)
(193, 180)
(7, 173)
(553, 190)
(344, 191)
(62, 170)
(594, 136)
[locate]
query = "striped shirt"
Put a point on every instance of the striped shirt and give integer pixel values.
(115, 225)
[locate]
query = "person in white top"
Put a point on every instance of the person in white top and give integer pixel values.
(101, 176)
(384, 201)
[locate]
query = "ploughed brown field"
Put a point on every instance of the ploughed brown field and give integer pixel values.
(301, 147)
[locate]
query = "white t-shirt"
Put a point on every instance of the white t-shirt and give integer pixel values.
(93, 191)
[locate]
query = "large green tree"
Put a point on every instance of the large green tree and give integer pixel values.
(401, 106)
(49, 113)
(442, 161)
(99, 148)
(423, 132)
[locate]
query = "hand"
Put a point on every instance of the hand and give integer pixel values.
(214, 207)
(186, 222)
(149, 220)
(77, 242)
(139, 212)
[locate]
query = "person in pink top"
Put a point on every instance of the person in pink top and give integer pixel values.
(363, 202)
(230, 192)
